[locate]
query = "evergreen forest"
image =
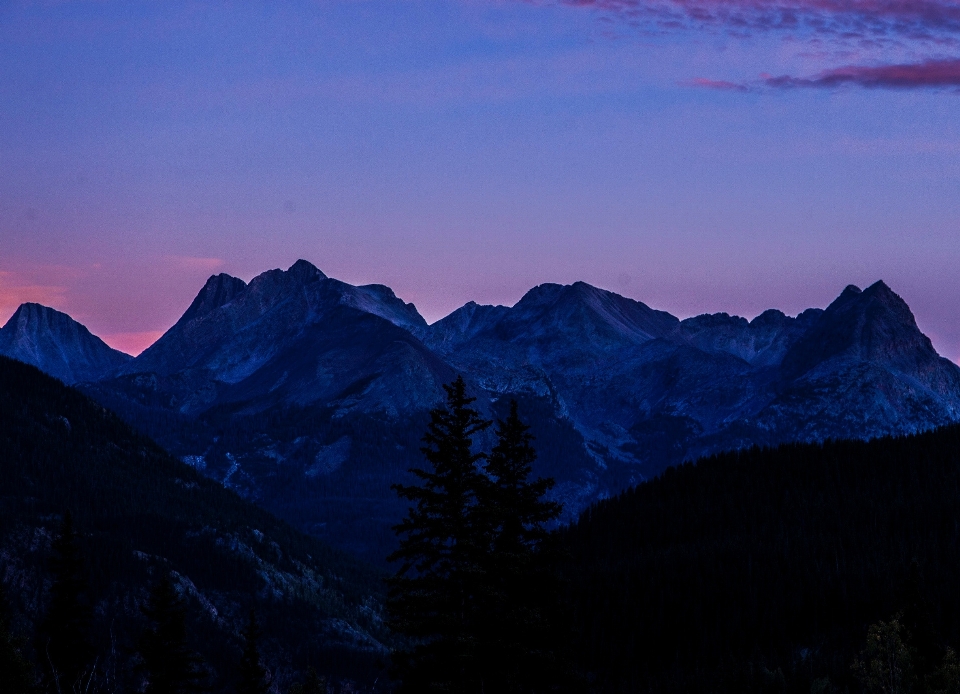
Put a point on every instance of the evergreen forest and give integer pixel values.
(766, 570)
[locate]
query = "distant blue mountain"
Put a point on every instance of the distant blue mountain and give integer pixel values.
(55, 343)
(310, 395)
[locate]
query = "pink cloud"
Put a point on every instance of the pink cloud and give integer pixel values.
(925, 74)
(906, 38)
(720, 85)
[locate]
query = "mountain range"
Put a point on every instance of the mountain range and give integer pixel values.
(309, 395)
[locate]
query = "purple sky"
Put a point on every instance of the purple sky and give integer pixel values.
(698, 155)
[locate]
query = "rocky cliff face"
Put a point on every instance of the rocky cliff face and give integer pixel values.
(292, 338)
(58, 345)
(310, 395)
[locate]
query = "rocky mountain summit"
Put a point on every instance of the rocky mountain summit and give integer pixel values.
(55, 343)
(310, 395)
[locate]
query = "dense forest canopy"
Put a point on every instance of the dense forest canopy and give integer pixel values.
(761, 570)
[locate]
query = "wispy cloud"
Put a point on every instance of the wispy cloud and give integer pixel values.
(927, 74)
(903, 44)
(720, 85)
(913, 19)
(922, 75)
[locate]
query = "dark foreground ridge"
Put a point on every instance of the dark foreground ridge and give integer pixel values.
(141, 514)
(760, 571)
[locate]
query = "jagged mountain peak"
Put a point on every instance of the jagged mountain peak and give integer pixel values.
(305, 271)
(461, 325)
(714, 320)
(247, 326)
(218, 291)
(761, 342)
(380, 300)
(31, 313)
(274, 282)
(57, 344)
(873, 325)
(553, 309)
(771, 316)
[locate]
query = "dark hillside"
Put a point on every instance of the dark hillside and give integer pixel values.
(140, 512)
(761, 570)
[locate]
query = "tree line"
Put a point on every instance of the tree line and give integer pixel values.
(777, 570)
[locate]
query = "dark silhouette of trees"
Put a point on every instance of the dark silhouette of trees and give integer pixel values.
(475, 585)
(63, 644)
(434, 596)
(167, 662)
(254, 678)
(717, 575)
(517, 568)
(16, 673)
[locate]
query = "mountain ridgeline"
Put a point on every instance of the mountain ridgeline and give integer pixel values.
(308, 395)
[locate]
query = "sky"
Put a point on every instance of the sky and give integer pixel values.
(696, 155)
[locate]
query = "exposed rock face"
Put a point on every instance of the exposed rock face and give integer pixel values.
(55, 343)
(760, 342)
(294, 338)
(311, 395)
(868, 368)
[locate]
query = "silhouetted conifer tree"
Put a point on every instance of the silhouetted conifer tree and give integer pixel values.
(517, 637)
(63, 647)
(167, 663)
(254, 678)
(16, 674)
(434, 596)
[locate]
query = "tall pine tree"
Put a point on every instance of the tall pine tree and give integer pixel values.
(167, 663)
(254, 678)
(63, 647)
(517, 635)
(435, 595)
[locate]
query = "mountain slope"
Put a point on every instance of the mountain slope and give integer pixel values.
(761, 570)
(140, 512)
(58, 345)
